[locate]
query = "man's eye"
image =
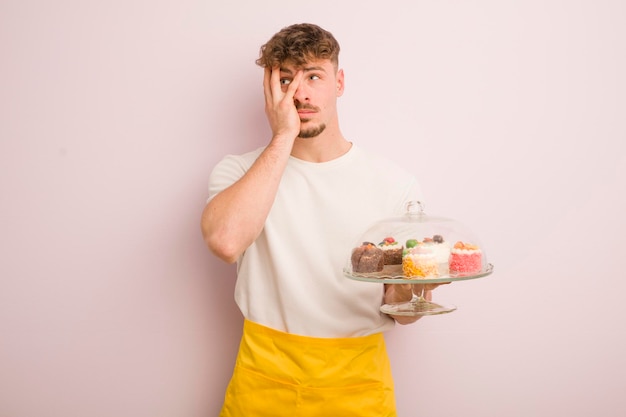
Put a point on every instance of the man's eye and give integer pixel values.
(285, 81)
(314, 77)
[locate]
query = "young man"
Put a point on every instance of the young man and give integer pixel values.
(289, 214)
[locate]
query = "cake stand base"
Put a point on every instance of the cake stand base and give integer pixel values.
(418, 306)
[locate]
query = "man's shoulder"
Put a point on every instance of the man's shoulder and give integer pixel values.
(244, 160)
(246, 156)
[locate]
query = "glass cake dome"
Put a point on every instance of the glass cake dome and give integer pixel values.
(415, 247)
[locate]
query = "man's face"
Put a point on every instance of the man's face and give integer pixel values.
(316, 96)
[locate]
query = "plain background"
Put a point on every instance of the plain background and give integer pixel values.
(113, 113)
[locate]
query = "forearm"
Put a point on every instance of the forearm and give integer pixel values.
(234, 218)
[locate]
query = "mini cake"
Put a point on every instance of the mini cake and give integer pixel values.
(465, 258)
(442, 253)
(367, 258)
(419, 260)
(392, 251)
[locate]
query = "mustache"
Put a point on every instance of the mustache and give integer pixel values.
(301, 106)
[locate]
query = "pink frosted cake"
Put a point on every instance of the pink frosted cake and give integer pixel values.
(465, 258)
(419, 261)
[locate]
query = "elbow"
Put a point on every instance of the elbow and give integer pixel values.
(221, 240)
(225, 252)
(220, 246)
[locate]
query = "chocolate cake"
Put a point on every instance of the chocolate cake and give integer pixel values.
(367, 258)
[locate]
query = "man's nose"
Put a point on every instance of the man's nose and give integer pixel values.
(301, 94)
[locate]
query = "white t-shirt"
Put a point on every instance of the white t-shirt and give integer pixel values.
(291, 278)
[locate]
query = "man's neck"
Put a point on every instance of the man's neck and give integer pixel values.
(323, 148)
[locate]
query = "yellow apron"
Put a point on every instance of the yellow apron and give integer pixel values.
(279, 374)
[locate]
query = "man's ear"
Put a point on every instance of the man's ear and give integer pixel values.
(340, 82)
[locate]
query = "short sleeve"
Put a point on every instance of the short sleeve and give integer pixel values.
(229, 170)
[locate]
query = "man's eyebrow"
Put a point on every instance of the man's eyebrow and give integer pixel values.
(306, 69)
(314, 69)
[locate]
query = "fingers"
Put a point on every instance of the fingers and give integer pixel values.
(271, 86)
(273, 89)
(280, 107)
(418, 288)
(293, 86)
(405, 291)
(267, 88)
(433, 286)
(425, 290)
(398, 293)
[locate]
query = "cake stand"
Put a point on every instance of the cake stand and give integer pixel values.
(416, 228)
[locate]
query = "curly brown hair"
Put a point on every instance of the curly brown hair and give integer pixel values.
(299, 44)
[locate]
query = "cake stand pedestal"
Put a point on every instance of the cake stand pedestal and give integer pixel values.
(418, 306)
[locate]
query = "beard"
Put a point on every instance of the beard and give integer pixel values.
(311, 132)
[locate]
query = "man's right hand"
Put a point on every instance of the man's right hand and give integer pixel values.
(279, 103)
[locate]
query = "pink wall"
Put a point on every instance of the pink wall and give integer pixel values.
(113, 113)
